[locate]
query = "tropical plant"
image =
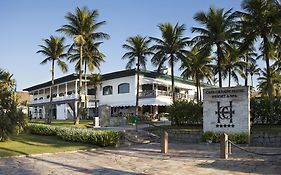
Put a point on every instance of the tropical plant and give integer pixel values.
(197, 66)
(261, 19)
(12, 120)
(274, 84)
(219, 30)
(170, 48)
(138, 49)
(54, 50)
(253, 69)
(95, 80)
(231, 65)
(82, 26)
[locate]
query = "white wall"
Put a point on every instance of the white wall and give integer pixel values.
(115, 98)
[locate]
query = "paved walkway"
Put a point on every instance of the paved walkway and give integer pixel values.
(182, 159)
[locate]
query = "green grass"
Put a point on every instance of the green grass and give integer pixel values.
(25, 144)
(68, 123)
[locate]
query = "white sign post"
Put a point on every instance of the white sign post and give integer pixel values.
(226, 110)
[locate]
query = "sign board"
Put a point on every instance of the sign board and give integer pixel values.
(226, 110)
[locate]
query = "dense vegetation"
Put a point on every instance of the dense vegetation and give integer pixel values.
(99, 138)
(185, 113)
(226, 46)
(12, 120)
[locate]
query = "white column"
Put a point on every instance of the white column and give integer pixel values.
(43, 94)
(65, 89)
(57, 90)
(76, 90)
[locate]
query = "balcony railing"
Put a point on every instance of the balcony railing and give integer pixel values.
(156, 93)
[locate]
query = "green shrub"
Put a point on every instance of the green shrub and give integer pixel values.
(260, 110)
(239, 138)
(99, 138)
(185, 113)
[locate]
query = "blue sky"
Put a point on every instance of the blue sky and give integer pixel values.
(25, 23)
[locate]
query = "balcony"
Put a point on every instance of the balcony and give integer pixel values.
(156, 93)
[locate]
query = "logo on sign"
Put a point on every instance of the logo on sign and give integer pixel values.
(225, 113)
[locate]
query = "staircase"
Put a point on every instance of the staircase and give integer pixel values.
(130, 137)
(70, 110)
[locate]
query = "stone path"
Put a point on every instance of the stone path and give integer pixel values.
(145, 159)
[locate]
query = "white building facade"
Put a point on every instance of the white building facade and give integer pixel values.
(117, 90)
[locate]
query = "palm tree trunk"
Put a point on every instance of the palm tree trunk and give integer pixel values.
(85, 76)
(138, 88)
(219, 64)
(246, 71)
(50, 116)
(269, 90)
(229, 77)
(197, 88)
(252, 81)
(76, 122)
(173, 80)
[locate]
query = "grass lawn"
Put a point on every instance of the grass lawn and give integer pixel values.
(68, 123)
(25, 144)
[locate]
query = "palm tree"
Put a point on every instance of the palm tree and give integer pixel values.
(253, 69)
(170, 48)
(82, 28)
(264, 85)
(95, 80)
(197, 66)
(261, 18)
(54, 50)
(219, 30)
(6, 80)
(249, 56)
(138, 49)
(232, 64)
(92, 58)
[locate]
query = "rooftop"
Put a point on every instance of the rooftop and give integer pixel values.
(114, 75)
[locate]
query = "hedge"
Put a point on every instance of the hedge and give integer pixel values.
(99, 138)
(239, 138)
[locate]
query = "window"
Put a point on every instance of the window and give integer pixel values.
(107, 90)
(91, 91)
(123, 88)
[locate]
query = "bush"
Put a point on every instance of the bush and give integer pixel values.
(260, 110)
(185, 113)
(239, 138)
(12, 120)
(99, 138)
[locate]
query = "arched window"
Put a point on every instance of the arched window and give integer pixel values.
(123, 88)
(107, 90)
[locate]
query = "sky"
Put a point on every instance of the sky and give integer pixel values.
(24, 24)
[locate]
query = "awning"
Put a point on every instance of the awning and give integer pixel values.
(142, 102)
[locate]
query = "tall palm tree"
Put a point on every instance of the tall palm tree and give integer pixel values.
(92, 58)
(219, 30)
(275, 78)
(170, 48)
(138, 49)
(95, 80)
(232, 64)
(82, 26)
(54, 50)
(249, 56)
(197, 66)
(261, 19)
(253, 69)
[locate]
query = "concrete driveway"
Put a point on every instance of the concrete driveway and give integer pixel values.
(145, 159)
